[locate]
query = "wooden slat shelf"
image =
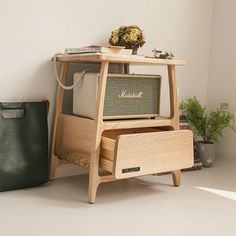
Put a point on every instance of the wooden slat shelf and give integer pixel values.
(80, 159)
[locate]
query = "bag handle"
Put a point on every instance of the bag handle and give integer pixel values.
(77, 83)
(14, 110)
(12, 113)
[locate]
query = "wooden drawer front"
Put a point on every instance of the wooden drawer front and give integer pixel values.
(147, 153)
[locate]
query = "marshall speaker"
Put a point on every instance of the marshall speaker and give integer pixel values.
(127, 96)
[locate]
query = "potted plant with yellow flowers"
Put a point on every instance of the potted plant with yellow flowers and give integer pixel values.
(131, 37)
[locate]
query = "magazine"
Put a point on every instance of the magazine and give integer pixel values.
(99, 49)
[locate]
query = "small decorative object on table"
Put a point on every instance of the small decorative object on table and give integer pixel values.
(131, 37)
(208, 125)
(158, 54)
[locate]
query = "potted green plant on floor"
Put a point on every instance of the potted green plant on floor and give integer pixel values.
(208, 125)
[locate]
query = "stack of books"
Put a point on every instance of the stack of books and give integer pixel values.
(99, 49)
(183, 123)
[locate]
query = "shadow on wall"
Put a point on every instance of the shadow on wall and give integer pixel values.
(32, 83)
(37, 85)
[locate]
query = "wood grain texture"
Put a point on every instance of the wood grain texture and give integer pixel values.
(124, 124)
(153, 152)
(106, 164)
(94, 178)
(176, 176)
(108, 144)
(80, 159)
(174, 104)
(74, 134)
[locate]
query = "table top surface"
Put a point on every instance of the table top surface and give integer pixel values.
(117, 58)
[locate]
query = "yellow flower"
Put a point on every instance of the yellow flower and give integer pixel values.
(115, 39)
(115, 36)
(135, 31)
(133, 36)
(128, 36)
(115, 32)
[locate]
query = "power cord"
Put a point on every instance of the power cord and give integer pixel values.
(77, 83)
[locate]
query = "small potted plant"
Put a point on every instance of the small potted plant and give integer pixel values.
(131, 37)
(208, 125)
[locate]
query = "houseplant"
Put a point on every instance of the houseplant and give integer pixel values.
(131, 37)
(208, 125)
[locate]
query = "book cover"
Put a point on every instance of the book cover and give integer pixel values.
(99, 49)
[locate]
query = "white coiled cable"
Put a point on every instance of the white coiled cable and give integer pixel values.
(77, 83)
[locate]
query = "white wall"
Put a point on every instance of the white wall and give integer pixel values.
(222, 76)
(32, 31)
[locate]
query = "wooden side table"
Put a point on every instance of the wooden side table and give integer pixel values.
(113, 150)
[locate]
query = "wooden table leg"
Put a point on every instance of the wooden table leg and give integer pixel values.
(174, 104)
(174, 113)
(176, 175)
(57, 111)
(94, 178)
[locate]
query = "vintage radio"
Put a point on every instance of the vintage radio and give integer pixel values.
(126, 96)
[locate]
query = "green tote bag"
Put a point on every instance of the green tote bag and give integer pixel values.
(23, 145)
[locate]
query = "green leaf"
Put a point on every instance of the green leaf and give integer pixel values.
(210, 125)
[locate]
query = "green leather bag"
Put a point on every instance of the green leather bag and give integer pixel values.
(23, 145)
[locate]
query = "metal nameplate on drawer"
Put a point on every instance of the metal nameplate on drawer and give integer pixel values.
(132, 169)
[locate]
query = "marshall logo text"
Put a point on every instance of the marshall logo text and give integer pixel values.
(126, 94)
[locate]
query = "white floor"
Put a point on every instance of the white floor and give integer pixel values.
(205, 204)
